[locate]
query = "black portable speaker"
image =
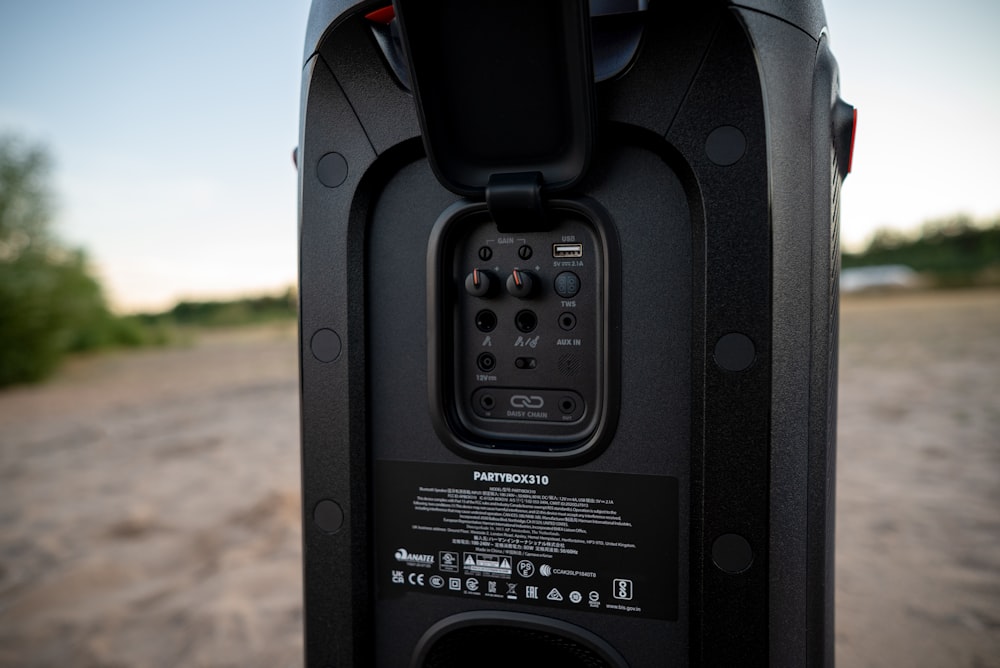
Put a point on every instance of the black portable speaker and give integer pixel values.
(568, 326)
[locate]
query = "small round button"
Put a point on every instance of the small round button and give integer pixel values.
(725, 145)
(329, 516)
(734, 352)
(332, 170)
(567, 284)
(732, 553)
(325, 345)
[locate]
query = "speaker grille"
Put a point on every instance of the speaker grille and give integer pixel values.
(492, 646)
(569, 365)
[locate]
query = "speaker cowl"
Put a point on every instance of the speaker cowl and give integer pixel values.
(493, 639)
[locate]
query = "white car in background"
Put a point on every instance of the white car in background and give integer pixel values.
(886, 276)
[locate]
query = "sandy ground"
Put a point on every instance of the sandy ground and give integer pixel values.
(149, 500)
(149, 509)
(918, 466)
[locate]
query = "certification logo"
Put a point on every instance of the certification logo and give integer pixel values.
(448, 561)
(414, 559)
(622, 589)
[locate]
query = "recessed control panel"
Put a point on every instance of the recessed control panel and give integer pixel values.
(521, 327)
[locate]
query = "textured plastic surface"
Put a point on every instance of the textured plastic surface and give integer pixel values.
(505, 88)
(708, 250)
(806, 16)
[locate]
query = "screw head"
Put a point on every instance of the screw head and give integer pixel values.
(524, 252)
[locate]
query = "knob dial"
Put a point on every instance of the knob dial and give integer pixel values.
(480, 283)
(521, 284)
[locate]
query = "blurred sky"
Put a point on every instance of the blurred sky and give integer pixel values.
(172, 123)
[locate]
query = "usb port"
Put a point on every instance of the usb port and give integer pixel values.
(567, 250)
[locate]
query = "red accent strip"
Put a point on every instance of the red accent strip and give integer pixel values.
(384, 15)
(854, 132)
(517, 278)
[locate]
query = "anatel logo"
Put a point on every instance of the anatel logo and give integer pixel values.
(403, 555)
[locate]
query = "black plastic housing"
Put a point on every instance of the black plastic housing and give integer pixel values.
(483, 115)
(710, 159)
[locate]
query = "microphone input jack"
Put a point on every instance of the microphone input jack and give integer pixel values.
(526, 320)
(486, 320)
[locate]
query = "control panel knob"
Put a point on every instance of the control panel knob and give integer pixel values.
(520, 284)
(480, 283)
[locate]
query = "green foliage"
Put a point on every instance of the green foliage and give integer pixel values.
(954, 251)
(239, 312)
(50, 303)
(234, 313)
(25, 202)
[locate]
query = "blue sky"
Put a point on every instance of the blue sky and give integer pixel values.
(171, 126)
(925, 77)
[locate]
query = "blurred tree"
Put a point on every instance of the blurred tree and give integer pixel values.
(955, 251)
(25, 203)
(50, 304)
(937, 230)
(886, 238)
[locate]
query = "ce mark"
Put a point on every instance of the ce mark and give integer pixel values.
(415, 579)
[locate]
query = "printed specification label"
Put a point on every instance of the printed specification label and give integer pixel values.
(603, 542)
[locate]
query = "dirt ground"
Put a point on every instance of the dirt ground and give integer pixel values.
(918, 466)
(149, 512)
(149, 500)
